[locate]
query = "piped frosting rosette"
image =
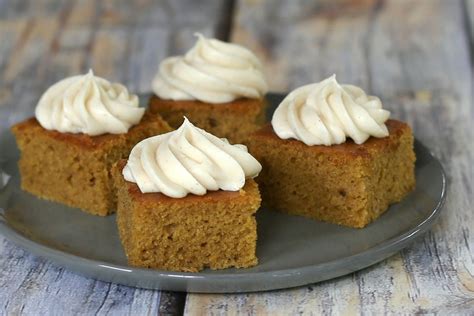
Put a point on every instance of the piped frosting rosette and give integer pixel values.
(326, 113)
(88, 104)
(212, 71)
(189, 161)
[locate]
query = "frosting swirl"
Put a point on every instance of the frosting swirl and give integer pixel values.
(88, 104)
(212, 71)
(189, 160)
(325, 113)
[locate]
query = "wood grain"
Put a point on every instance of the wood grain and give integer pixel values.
(421, 68)
(44, 41)
(32, 286)
(469, 16)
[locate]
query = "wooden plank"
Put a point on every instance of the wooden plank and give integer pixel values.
(469, 13)
(32, 286)
(46, 40)
(421, 69)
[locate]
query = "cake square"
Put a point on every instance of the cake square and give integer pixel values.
(233, 120)
(346, 184)
(74, 169)
(217, 230)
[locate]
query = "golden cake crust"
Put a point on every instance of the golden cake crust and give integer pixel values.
(209, 197)
(239, 106)
(346, 184)
(216, 230)
(74, 169)
(93, 142)
(233, 120)
(348, 148)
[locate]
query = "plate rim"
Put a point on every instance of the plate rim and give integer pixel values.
(101, 269)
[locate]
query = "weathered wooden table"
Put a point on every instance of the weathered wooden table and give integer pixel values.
(416, 55)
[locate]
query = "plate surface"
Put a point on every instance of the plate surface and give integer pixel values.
(292, 250)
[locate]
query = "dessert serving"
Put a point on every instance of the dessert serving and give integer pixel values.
(219, 86)
(186, 201)
(83, 125)
(311, 168)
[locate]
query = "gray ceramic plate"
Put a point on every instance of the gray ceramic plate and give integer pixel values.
(292, 251)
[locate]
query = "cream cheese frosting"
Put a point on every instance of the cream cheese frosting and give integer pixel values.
(325, 113)
(212, 71)
(88, 104)
(189, 160)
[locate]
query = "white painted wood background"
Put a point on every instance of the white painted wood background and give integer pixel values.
(416, 55)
